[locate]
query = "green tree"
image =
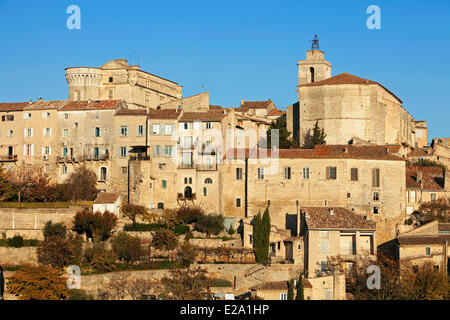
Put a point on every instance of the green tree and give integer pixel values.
(265, 234)
(98, 258)
(300, 290)
(285, 142)
(210, 224)
(97, 226)
(54, 230)
(132, 211)
(164, 239)
(126, 247)
(290, 294)
(257, 238)
(318, 136)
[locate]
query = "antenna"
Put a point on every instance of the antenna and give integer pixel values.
(315, 43)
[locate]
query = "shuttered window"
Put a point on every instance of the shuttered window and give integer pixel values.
(331, 173)
(354, 174)
(375, 177)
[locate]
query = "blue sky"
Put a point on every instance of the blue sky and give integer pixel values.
(236, 49)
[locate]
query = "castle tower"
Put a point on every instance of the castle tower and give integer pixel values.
(315, 67)
(84, 83)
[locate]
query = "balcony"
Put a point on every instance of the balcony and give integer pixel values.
(206, 167)
(208, 149)
(186, 166)
(95, 157)
(8, 158)
(139, 157)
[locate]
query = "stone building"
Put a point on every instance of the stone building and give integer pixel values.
(116, 80)
(427, 243)
(425, 184)
(367, 180)
(347, 107)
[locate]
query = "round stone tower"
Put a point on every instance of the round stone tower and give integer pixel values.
(84, 83)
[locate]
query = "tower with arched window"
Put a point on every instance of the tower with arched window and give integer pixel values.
(315, 68)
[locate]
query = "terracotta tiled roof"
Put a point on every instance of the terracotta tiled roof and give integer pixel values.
(93, 105)
(130, 112)
(345, 78)
(278, 285)
(215, 108)
(432, 178)
(276, 112)
(106, 197)
(324, 152)
(444, 227)
(341, 218)
(170, 114)
(202, 116)
(422, 240)
(256, 104)
(421, 152)
(16, 106)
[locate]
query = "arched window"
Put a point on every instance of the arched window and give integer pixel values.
(188, 193)
(208, 180)
(311, 70)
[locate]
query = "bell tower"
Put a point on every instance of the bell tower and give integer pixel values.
(315, 67)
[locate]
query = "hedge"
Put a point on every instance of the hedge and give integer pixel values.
(17, 243)
(181, 229)
(44, 205)
(222, 283)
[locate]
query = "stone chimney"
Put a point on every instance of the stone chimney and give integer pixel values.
(420, 178)
(446, 180)
(242, 102)
(336, 283)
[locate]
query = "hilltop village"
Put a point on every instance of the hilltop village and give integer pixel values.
(353, 178)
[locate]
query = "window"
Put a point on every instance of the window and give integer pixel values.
(376, 196)
(323, 234)
(205, 191)
(29, 132)
(208, 180)
(238, 202)
(64, 152)
(111, 79)
(428, 251)
(283, 296)
(124, 170)
(123, 152)
(65, 133)
(47, 168)
(311, 71)
(123, 131)
(187, 125)
(46, 151)
(349, 194)
(375, 210)
(299, 247)
(27, 115)
(64, 169)
(97, 115)
(164, 184)
(287, 173)
(323, 266)
(260, 173)
(10, 133)
(375, 177)
(47, 132)
(28, 149)
(45, 115)
(103, 172)
(66, 116)
(331, 173)
(140, 131)
(208, 125)
(324, 246)
(238, 173)
(110, 94)
(433, 196)
(250, 239)
(162, 166)
(160, 205)
(75, 124)
(190, 180)
(306, 173)
(354, 174)
(97, 132)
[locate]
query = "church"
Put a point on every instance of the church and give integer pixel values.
(350, 109)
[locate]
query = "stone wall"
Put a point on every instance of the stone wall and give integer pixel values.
(18, 256)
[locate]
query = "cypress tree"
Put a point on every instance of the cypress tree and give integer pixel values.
(290, 295)
(300, 289)
(265, 234)
(318, 135)
(257, 237)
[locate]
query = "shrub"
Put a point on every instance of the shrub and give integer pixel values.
(231, 231)
(98, 258)
(143, 227)
(190, 214)
(56, 252)
(55, 230)
(126, 247)
(222, 283)
(187, 254)
(210, 224)
(181, 229)
(165, 240)
(16, 242)
(97, 226)
(132, 211)
(80, 185)
(38, 283)
(79, 294)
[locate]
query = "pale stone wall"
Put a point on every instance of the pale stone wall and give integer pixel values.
(195, 103)
(416, 255)
(284, 194)
(18, 256)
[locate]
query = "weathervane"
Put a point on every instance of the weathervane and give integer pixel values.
(315, 43)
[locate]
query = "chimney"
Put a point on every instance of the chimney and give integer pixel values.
(242, 102)
(419, 177)
(446, 180)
